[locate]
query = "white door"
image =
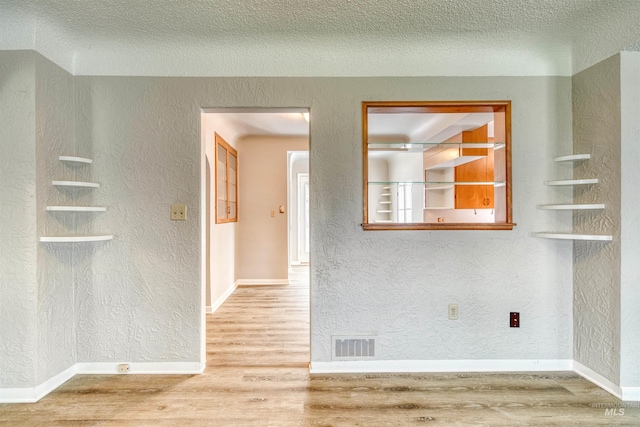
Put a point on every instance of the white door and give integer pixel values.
(303, 217)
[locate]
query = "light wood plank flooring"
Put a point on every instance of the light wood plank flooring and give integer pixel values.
(257, 375)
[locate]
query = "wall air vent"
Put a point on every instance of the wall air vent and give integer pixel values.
(353, 348)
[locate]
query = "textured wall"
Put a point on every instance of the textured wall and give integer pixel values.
(54, 137)
(262, 188)
(18, 234)
(596, 130)
(630, 220)
(139, 297)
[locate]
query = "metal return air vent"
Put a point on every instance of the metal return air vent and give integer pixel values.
(354, 348)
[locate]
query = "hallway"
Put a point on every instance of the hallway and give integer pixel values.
(257, 375)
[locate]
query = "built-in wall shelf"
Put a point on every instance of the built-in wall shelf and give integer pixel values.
(587, 181)
(573, 206)
(73, 159)
(572, 158)
(589, 206)
(76, 208)
(75, 239)
(571, 236)
(76, 184)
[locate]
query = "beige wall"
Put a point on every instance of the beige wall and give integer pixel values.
(222, 237)
(263, 188)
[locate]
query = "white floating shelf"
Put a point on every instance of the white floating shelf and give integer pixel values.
(76, 184)
(573, 181)
(384, 203)
(573, 207)
(571, 236)
(384, 211)
(572, 158)
(75, 239)
(385, 194)
(73, 159)
(76, 208)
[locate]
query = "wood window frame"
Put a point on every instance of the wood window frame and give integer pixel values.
(219, 141)
(437, 107)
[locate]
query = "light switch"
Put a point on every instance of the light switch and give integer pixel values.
(273, 214)
(178, 212)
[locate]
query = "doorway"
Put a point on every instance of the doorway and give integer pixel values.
(255, 250)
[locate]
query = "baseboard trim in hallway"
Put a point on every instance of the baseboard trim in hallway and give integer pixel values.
(261, 282)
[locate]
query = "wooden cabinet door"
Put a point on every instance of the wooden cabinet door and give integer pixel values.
(475, 196)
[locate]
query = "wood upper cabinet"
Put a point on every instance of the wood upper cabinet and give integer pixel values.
(475, 196)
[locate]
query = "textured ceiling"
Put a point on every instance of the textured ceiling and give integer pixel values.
(329, 37)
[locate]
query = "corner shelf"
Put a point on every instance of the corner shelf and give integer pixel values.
(587, 181)
(571, 236)
(76, 209)
(573, 206)
(75, 239)
(75, 184)
(572, 158)
(73, 159)
(77, 161)
(591, 206)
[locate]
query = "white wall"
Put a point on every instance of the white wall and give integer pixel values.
(299, 164)
(596, 123)
(140, 298)
(18, 223)
(630, 221)
(55, 136)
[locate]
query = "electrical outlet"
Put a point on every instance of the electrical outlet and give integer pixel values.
(178, 212)
(124, 368)
(453, 311)
(514, 319)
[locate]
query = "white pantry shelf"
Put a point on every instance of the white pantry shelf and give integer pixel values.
(571, 236)
(75, 239)
(73, 159)
(573, 181)
(76, 184)
(76, 208)
(572, 158)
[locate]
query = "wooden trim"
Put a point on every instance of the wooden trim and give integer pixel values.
(230, 151)
(365, 161)
(439, 226)
(405, 107)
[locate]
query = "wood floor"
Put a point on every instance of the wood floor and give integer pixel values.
(257, 375)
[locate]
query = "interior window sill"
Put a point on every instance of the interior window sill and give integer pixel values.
(439, 226)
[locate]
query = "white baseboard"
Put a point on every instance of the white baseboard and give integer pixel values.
(631, 394)
(161, 368)
(397, 366)
(217, 303)
(261, 282)
(602, 382)
(34, 394)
